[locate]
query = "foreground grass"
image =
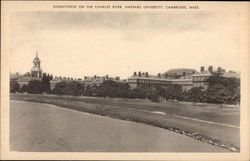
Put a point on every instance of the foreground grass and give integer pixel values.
(142, 111)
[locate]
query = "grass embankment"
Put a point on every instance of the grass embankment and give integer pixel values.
(142, 111)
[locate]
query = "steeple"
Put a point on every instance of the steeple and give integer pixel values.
(36, 70)
(36, 59)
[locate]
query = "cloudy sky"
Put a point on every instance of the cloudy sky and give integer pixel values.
(78, 44)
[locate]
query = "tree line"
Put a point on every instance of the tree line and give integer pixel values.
(219, 90)
(34, 86)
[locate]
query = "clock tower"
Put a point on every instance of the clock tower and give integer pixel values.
(36, 70)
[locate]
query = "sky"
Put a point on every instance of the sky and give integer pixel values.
(78, 44)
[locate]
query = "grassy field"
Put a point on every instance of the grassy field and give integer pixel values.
(205, 122)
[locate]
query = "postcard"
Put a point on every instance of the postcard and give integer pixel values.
(125, 80)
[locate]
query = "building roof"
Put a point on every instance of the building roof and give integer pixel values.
(231, 74)
(91, 79)
(180, 71)
(36, 58)
(27, 79)
(64, 79)
(14, 76)
(160, 79)
(202, 74)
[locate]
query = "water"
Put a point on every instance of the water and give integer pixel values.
(36, 127)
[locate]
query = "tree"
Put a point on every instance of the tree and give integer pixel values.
(123, 90)
(113, 89)
(46, 82)
(174, 92)
(60, 88)
(156, 94)
(195, 94)
(14, 86)
(148, 92)
(142, 92)
(24, 88)
(72, 88)
(89, 91)
(139, 92)
(222, 90)
(35, 87)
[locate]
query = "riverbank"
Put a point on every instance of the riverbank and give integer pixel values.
(205, 123)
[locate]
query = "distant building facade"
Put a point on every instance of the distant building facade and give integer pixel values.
(98, 80)
(179, 73)
(144, 79)
(199, 79)
(56, 80)
(87, 81)
(24, 80)
(186, 78)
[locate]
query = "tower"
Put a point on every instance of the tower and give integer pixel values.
(36, 70)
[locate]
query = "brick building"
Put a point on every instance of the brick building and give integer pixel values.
(187, 78)
(144, 79)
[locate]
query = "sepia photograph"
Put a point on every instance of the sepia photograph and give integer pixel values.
(125, 77)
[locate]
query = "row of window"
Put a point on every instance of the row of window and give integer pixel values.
(183, 82)
(166, 82)
(199, 78)
(199, 84)
(158, 81)
(149, 81)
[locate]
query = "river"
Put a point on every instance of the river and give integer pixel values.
(36, 127)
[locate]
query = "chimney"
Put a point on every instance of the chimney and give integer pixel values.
(202, 69)
(210, 69)
(184, 73)
(139, 74)
(134, 73)
(95, 76)
(146, 74)
(107, 76)
(159, 75)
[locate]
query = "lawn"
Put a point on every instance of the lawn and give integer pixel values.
(180, 117)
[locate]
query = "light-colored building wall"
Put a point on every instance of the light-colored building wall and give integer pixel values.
(200, 79)
(24, 80)
(162, 82)
(56, 80)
